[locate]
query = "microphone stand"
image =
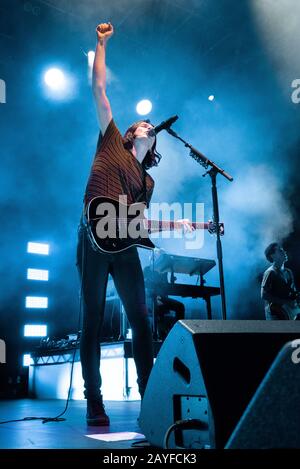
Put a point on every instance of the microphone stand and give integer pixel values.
(213, 172)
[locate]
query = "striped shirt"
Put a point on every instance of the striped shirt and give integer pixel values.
(116, 171)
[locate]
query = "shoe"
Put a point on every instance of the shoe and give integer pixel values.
(96, 414)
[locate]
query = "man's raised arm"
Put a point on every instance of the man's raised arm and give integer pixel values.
(104, 32)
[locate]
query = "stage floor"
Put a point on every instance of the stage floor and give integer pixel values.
(34, 443)
(71, 433)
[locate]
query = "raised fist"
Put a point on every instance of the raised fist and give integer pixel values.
(104, 31)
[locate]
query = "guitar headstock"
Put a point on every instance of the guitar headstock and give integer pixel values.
(213, 228)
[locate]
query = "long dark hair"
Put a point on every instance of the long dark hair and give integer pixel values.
(152, 157)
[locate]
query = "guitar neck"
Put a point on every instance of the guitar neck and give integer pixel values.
(162, 225)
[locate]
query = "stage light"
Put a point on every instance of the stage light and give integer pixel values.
(59, 85)
(36, 302)
(37, 274)
(35, 330)
(143, 107)
(55, 79)
(91, 57)
(38, 248)
(27, 360)
(211, 97)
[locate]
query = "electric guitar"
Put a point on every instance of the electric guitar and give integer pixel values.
(114, 226)
(290, 309)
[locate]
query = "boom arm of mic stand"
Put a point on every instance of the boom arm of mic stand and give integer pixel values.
(199, 157)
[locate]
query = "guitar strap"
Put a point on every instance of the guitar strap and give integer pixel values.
(145, 187)
(83, 218)
(143, 195)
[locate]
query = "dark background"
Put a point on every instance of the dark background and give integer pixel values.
(176, 53)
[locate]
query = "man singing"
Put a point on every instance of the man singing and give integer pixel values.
(119, 168)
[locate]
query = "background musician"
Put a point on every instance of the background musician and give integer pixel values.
(278, 286)
(164, 306)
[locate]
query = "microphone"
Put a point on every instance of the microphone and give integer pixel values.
(162, 126)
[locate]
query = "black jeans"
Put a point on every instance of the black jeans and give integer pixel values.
(125, 268)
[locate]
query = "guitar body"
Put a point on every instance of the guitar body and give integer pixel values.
(114, 226)
(289, 310)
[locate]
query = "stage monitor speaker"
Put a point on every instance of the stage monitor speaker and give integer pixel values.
(209, 371)
(271, 419)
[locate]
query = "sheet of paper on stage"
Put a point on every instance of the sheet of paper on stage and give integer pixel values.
(120, 436)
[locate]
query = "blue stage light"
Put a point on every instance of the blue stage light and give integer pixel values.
(38, 274)
(27, 360)
(91, 58)
(55, 79)
(38, 248)
(40, 302)
(35, 330)
(59, 85)
(143, 107)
